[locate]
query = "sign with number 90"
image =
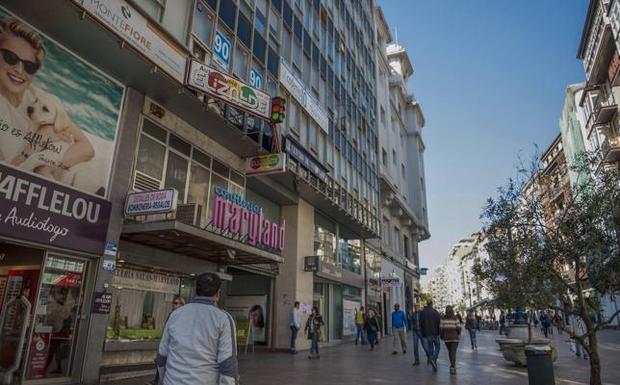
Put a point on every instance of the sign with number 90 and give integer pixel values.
(221, 50)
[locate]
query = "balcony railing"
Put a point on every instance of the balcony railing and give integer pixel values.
(610, 150)
(603, 107)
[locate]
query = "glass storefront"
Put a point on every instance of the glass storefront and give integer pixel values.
(51, 286)
(142, 300)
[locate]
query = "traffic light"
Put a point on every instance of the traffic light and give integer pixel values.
(278, 107)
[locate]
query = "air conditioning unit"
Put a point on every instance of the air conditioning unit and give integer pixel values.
(189, 213)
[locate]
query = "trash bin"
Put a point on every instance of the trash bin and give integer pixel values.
(539, 364)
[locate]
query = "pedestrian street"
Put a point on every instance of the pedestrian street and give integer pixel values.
(348, 364)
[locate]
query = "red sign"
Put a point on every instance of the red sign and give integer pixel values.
(39, 351)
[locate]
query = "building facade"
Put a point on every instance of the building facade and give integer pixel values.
(174, 170)
(599, 50)
(401, 175)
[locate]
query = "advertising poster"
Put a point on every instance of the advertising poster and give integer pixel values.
(39, 352)
(58, 115)
(252, 308)
(348, 317)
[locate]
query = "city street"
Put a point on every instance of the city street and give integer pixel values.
(354, 365)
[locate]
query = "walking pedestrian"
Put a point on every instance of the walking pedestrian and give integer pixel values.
(545, 323)
(372, 328)
(295, 325)
(313, 328)
(558, 321)
(359, 325)
(198, 345)
(417, 337)
(502, 323)
(470, 325)
(429, 328)
(450, 329)
(580, 330)
(177, 302)
(399, 329)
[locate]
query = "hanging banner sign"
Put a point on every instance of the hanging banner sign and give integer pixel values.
(144, 36)
(303, 96)
(256, 79)
(265, 164)
(307, 160)
(151, 202)
(221, 86)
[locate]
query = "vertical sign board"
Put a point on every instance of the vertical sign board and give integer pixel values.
(256, 78)
(300, 92)
(221, 50)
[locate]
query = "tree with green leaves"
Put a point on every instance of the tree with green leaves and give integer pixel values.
(556, 262)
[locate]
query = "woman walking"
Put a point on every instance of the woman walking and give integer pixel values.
(372, 328)
(450, 331)
(470, 325)
(313, 329)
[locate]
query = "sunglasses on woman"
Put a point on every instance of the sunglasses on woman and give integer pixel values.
(12, 59)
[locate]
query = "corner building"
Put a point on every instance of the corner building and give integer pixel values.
(187, 176)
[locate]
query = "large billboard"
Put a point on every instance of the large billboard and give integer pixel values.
(58, 114)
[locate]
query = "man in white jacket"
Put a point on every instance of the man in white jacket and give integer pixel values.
(295, 325)
(199, 344)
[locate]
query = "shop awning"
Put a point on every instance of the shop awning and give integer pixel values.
(181, 238)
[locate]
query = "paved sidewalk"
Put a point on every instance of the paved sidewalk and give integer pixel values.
(355, 365)
(348, 364)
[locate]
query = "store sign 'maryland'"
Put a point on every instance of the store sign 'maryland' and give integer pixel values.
(242, 218)
(35, 209)
(224, 87)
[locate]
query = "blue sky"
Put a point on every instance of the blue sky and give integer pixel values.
(490, 76)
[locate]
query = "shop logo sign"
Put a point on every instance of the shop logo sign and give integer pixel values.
(221, 86)
(140, 33)
(35, 209)
(242, 218)
(265, 164)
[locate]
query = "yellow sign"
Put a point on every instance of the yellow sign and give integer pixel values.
(265, 164)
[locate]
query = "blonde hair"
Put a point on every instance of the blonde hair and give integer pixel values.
(19, 29)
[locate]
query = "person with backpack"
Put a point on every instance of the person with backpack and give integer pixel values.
(360, 318)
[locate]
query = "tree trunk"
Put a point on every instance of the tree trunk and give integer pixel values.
(595, 361)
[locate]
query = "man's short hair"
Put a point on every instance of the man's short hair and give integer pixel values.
(208, 284)
(296, 303)
(429, 303)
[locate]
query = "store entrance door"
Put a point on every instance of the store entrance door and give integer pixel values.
(53, 286)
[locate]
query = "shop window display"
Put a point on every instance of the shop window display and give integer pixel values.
(141, 304)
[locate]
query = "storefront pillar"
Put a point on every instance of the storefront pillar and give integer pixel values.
(293, 284)
(121, 175)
